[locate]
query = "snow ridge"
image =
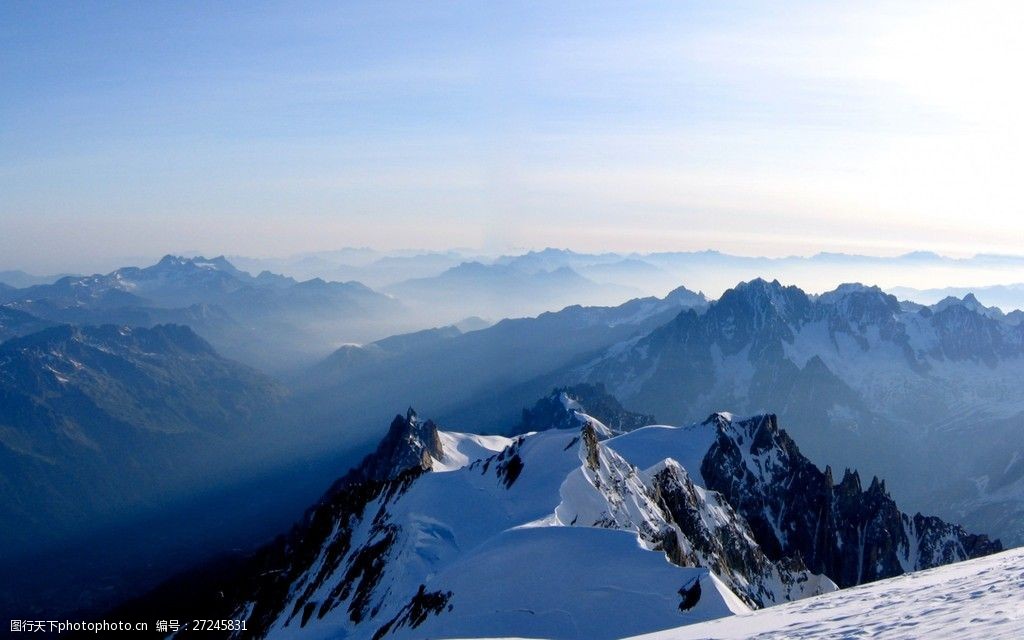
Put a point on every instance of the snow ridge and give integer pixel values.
(568, 533)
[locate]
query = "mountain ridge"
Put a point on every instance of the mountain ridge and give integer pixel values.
(396, 553)
(98, 419)
(862, 380)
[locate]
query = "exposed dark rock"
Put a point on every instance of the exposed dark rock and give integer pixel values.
(590, 442)
(550, 412)
(690, 594)
(409, 443)
(851, 535)
(728, 548)
(508, 464)
(416, 611)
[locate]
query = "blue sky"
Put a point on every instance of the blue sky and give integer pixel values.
(270, 128)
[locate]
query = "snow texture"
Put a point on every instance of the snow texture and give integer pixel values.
(981, 599)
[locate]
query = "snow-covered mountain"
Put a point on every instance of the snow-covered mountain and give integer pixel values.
(860, 379)
(172, 282)
(569, 533)
(975, 600)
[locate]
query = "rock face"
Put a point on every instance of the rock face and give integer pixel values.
(440, 534)
(409, 444)
(850, 534)
(706, 531)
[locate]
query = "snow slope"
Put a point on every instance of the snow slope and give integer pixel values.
(979, 599)
(587, 574)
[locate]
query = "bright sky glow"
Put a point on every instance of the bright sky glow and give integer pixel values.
(756, 128)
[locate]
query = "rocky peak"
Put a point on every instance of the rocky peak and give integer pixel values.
(761, 432)
(757, 313)
(591, 451)
(570, 407)
(670, 512)
(878, 487)
(858, 311)
(386, 552)
(794, 510)
(685, 297)
(409, 444)
(967, 334)
(172, 262)
(861, 304)
(850, 484)
(787, 301)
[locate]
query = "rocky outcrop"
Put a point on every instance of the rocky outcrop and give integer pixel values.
(693, 526)
(794, 509)
(409, 443)
(707, 532)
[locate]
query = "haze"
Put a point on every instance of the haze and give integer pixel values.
(758, 129)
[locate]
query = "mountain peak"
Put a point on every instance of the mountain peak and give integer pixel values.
(760, 285)
(860, 303)
(409, 444)
(172, 262)
(719, 419)
(848, 288)
(756, 296)
(570, 407)
(688, 296)
(850, 481)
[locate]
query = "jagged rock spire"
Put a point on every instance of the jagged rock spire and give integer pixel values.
(409, 443)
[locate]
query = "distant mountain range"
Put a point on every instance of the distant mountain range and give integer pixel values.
(279, 324)
(657, 273)
(1007, 298)
(269, 321)
(574, 530)
(18, 279)
(373, 268)
(503, 291)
